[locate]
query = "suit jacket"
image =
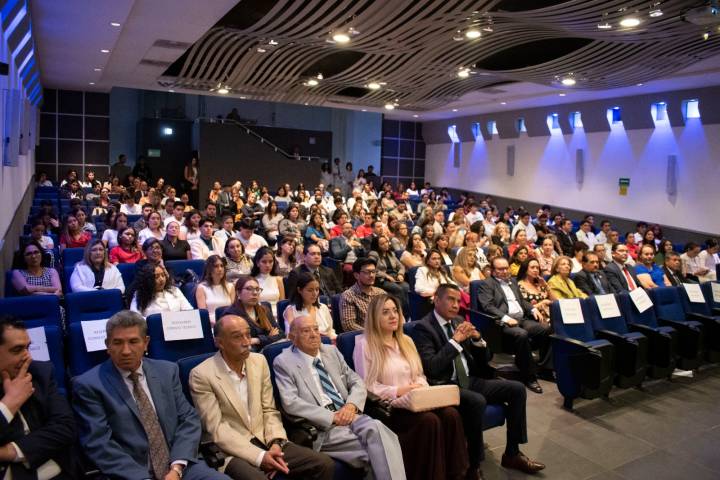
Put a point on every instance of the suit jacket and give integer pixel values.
(398, 267)
(109, 421)
(676, 278)
(617, 278)
(299, 393)
(493, 302)
(567, 240)
(329, 284)
(51, 424)
(585, 283)
(225, 417)
(438, 354)
(564, 289)
(339, 248)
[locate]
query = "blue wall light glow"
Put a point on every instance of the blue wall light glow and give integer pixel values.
(167, 131)
(614, 116)
(452, 133)
(520, 125)
(552, 122)
(575, 119)
(475, 128)
(691, 108)
(492, 128)
(658, 111)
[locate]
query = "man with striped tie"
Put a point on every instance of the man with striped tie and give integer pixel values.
(315, 383)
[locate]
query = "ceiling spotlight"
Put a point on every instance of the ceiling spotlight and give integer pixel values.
(373, 86)
(416, 116)
(561, 94)
(91, 83)
(272, 42)
(639, 84)
(97, 69)
(568, 81)
(463, 73)
(655, 13)
(503, 103)
(171, 91)
(706, 35)
(312, 83)
(243, 98)
(364, 110)
(223, 91)
(604, 26)
(261, 50)
(104, 50)
(114, 24)
(629, 22)
(319, 76)
(389, 106)
(341, 37)
(473, 33)
(454, 109)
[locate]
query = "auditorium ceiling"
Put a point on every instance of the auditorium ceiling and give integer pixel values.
(417, 57)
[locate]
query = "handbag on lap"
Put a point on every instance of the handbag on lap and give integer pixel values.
(429, 398)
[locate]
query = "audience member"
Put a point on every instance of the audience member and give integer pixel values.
(192, 225)
(173, 247)
(286, 259)
(126, 250)
(560, 284)
(431, 275)
(390, 272)
(73, 236)
(622, 277)
(673, 270)
(153, 229)
(214, 290)
(433, 442)
(251, 241)
(312, 264)
(453, 352)
(516, 259)
(31, 277)
(95, 272)
(500, 297)
(648, 272)
(533, 288)
(354, 301)
(237, 263)
(134, 419)
(566, 238)
(465, 269)
(579, 251)
(155, 293)
(265, 272)
(591, 279)
(586, 235)
(203, 246)
(304, 302)
(263, 327)
(414, 254)
(344, 433)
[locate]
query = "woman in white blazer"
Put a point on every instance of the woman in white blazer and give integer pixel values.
(94, 272)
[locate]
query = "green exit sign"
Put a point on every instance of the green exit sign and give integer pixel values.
(153, 152)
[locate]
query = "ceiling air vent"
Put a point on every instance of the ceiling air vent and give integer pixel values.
(171, 44)
(154, 63)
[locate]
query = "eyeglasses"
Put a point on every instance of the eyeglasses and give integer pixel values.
(368, 272)
(32, 252)
(253, 289)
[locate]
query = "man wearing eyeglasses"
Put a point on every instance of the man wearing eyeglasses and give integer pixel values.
(354, 301)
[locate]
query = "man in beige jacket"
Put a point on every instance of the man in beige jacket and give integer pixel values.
(233, 394)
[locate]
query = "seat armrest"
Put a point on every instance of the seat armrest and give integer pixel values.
(377, 408)
(647, 331)
(213, 456)
(610, 336)
(699, 317)
(299, 430)
(675, 324)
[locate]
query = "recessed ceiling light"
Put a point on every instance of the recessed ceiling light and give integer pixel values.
(312, 82)
(503, 103)
(568, 81)
(629, 22)
(604, 26)
(639, 84)
(171, 91)
(364, 110)
(416, 116)
(373, 86)
(306, 104)
(261, 50)
(104, 50)
(706, 35)
(92, 83)
(454, 109)
(561, 94)
(243, 98)
(114, 24)
(223, 91)
(97, 69)
(464, 73)
(473, 33)
(341, 37)
(655, 13)
(389, 106)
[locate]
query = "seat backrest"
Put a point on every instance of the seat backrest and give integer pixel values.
(188, 289)
(70, 256)
(579, 331)
(93, 305)
(616, 324)
(271, 351)
(173, 351)
(474, 291)
(707, 289)
(67, 273)
(345, 342)
(281, 306)
(185, 366)
(79, 359)
(54, 343)
(34, 310)
(9, 287)
(335, 313)
(127, 271)
(631, 313)
(410, 277)
(176, 267)
(694, 307)
(667, 303)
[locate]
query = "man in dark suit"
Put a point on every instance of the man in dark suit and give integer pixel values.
(453, 352)
(329, 284)
(566, 238)
(134, 420)
(37, 428)
(500, 298)
(673, 270)
(622, 277)
(591, 279)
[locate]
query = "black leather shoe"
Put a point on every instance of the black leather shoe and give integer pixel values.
(522, 463)
(534, 386)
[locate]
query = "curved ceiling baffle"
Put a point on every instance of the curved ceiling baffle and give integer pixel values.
(416, 49)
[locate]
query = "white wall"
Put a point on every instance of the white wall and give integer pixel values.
(545, 172)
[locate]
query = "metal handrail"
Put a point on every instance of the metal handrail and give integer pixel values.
(262, 139)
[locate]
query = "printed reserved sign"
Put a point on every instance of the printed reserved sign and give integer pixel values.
(95, 334)
(38, 344)
(183, 325)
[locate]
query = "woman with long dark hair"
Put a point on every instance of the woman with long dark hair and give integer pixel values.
(127, 249)
(305, 302)
(431, 275)
(264, 329)
(390, 272)
(238, 263)
(271, 221)
(155, 293)
(265, 272)
(286, 259)
(214, 290)
(73, 236)
(30, 276)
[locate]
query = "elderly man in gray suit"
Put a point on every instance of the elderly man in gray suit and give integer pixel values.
(315, 383)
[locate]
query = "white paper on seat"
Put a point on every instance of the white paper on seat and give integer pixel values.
(716, 291)
(571, 311)
(607, 304)
(95, 334)
(694, 293)
(641, 299)
(183, 325)
(38, 344)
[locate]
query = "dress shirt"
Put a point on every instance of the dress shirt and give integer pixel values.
(142, 380)
(588, 238)
(316, 377)
(479, 343)
(240, 383)
(515, 311)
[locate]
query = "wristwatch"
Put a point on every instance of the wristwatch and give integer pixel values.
(179, 470)
(280, 442)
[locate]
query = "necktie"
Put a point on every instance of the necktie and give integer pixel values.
(598, 285)
(327, 385)
(316, 274)
(628, 278)
(159, 454)
(462, 376)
